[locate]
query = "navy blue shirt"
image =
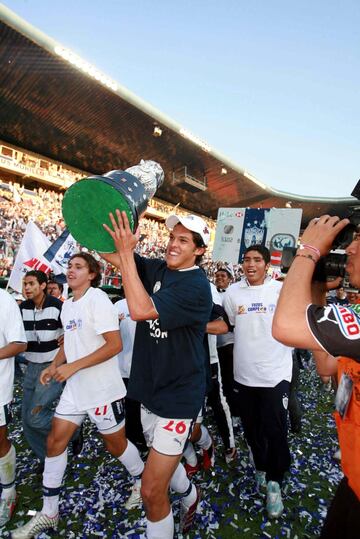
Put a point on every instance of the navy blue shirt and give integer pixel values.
(168, 366)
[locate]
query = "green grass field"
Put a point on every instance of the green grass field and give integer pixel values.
(96, 485)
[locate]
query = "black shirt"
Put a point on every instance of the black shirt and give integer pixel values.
(168, 365)
(336, 328)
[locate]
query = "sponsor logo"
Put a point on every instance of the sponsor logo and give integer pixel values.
(347, 321)
(326, 315)
(228, 229)
(155, 330)
(72, 325)
(279, 241)
(257, 308)
(272, 307)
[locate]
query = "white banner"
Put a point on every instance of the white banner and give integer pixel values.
(30, 256)
(229, 227)
(237, 228)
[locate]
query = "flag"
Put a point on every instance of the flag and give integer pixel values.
(59, 253)
(29, 256)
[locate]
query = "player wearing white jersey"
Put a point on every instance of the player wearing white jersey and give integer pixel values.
(262, 373)
(12, 342)
(88, 363)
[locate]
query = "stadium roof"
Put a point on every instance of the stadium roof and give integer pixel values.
(57, 105)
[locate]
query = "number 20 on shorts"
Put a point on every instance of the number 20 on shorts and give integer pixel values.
(179, 427)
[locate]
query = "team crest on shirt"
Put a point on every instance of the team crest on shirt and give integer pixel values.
(157, 286)
(285, 401)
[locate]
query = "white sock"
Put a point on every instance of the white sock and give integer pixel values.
(205, 438)
(52, 478)
(162, 529)
(180, 483)
(190, 498)
(131, 460)
(190, 454)
(7, 473)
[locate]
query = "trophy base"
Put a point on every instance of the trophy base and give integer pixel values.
(86, 206)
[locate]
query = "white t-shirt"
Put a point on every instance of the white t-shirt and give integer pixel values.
(127, 330)
(214, 357)
(225, 338)
(84, 322)
(259, 360)
(11, 330)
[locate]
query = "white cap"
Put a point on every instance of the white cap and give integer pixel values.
(191, 222)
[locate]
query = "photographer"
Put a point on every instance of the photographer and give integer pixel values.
(335, 330)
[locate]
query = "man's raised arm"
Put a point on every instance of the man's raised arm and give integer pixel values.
(290, 323)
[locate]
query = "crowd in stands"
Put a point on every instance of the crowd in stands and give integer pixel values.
(18, 205)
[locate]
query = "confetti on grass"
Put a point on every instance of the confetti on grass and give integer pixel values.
(97, 486)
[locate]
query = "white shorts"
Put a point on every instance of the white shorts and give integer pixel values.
(200, 416)
(5, 415)
(167, 436)
(108, 418)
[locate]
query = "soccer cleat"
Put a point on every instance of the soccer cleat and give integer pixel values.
(7, 508)
(191, 470)
(274, 503)
(261, 485)
(36, 525)
(134, 501)
(230, 455)
(187, 514)
(208, 457)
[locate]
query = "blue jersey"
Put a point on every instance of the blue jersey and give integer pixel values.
(168, 366)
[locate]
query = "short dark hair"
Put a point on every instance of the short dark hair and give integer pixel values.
(60, 285)
(199, 242)
(40, 276)
(264, 251)
(92, 264)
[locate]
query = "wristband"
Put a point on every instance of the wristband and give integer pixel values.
(309, 256)
(310, 248)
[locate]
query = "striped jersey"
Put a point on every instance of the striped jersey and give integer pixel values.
(42, 327)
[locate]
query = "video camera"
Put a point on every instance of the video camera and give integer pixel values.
(333, 264)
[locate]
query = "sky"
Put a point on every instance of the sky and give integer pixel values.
(271, 84)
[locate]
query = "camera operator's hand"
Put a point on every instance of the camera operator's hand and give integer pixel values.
(321, 232)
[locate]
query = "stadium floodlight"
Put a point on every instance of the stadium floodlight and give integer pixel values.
(84, 66)
(223, 171)
(196, 140)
